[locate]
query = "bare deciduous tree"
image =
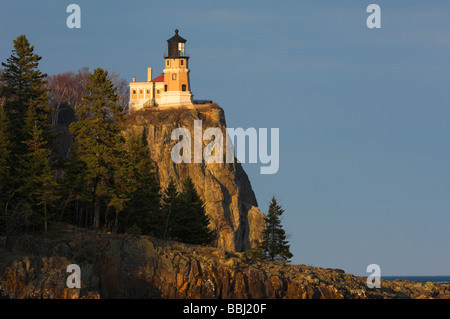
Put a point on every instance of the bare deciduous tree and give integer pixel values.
(123, 90)
(69, 88)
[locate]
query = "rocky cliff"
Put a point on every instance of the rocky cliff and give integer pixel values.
(125, 266)
(225, 188)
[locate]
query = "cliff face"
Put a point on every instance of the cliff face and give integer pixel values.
(225, 188)
(125, 266)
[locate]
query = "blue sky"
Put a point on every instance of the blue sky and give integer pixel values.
(363, 114)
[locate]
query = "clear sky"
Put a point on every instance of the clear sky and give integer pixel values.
(363, 113)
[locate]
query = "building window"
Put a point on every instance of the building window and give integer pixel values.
(165, 88)
(174, 76)
(134, 91)
(183, 87)
(182, 62)
(141, 92)
(157, 91)
(168, 62)
(148, 91)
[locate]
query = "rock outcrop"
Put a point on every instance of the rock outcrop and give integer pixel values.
(225, 188)
(125, 266)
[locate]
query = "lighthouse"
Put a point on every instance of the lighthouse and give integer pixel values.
(170, 88)
(177, 87)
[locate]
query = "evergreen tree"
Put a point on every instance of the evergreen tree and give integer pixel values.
(5, 146)
(5, 167)
(25, 95)
(192, 226)
(25, 88)
(100, 146)
(171, 211)
(74, 193)
(143, 209)
(39, 186)
(274, 245)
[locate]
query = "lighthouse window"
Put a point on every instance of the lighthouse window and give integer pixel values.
(174, 76)
(183, 87)
(181, 49)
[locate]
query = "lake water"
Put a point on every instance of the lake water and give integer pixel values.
(422, 279)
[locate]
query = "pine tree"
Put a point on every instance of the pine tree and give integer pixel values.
(47, 194)
(171, 211)
(25, 88)
(39, 186)
(192, 226)
(274, 245)
(5, 145)
(100, 146)
(143, 208)
(5, 167)
(74, 193)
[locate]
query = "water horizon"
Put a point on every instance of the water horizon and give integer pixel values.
(440, 279)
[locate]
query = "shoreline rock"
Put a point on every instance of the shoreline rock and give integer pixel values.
(126, 266)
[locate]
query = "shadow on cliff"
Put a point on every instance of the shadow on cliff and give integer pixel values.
(112, 266)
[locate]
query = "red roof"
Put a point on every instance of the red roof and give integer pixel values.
(159, 78)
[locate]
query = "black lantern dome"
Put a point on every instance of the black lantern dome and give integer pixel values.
(176, 47)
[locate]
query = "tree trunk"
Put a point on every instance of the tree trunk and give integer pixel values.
(56, 114)
(97, 213)
(116, 222)
(7, 231)
(106, 219)
(45, 218)
(167, 223)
